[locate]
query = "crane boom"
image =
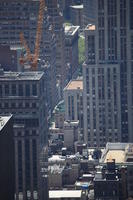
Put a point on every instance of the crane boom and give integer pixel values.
(23, 42)
(33, 58)
(39, 28)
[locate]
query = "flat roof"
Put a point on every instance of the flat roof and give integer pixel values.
(118, 155)
(71, 30)
(90, 27)
(121, 152)
(4, 120)
(20, 75)
(74, 85)
(77, 6)
(53, 194)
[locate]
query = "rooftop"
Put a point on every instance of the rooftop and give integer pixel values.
(71, 123)
(121, 152)
(55, 169)
(90, 27)
(3, 121)
(77, 6)
(53, 194)
(71, 30)
(75, 85)
(20, 75)
(118, 155)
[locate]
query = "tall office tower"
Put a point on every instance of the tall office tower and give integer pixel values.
(67, 4)
(109, 56)
(49, 65)
(6, 158)
(73, 98)
(23, 95)
(56, 19)
(71, 49)
(89, 10)
(22, 16)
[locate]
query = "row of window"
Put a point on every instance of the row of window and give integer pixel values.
(18, 90)
(13, 105)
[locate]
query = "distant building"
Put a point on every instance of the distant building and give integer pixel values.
(23, 95)
(109, 53)
(56, 19)
(67, 9)
(9, 58)
(89, 12)
(71, 133)
(7, 180)
(62, 171)
(55, 174)
(73, 98)
(66, 194)
(71, 49)
(109, 183)
(59, 115)
(122, 153)
(77, 15)
(24, 19)
(102, 120)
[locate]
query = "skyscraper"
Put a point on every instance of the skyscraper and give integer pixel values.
(57, 20)
(22, 16)
(108, 74)
(7, 169)
(23, 95)
(89, 14)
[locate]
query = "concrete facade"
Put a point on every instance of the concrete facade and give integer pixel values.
(71, 49)
(22, 94)
(89, 12)
(56, 19)
(71, 133)
(77, 15)
(73, 99)
(108, 45)
(24, 19)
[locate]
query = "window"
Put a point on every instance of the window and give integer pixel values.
(20, 90)
(27, 90)
(0, 90)
(6, 90)
(34, 89)
(13, 90)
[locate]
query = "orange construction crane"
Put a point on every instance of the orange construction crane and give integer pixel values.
(33, 58)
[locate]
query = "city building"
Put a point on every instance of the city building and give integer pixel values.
(63, 171)
(22, 17)
(7, 181)
(76, 12)
(89, 12)
(56, 19)
(71, 133)
(55, 173)
(109, 59)
(23, 95)
(9, 58)
(59, 115)
(122, 153)
(65, 7)
(73, 99)
(109, 183)
(71, 49)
